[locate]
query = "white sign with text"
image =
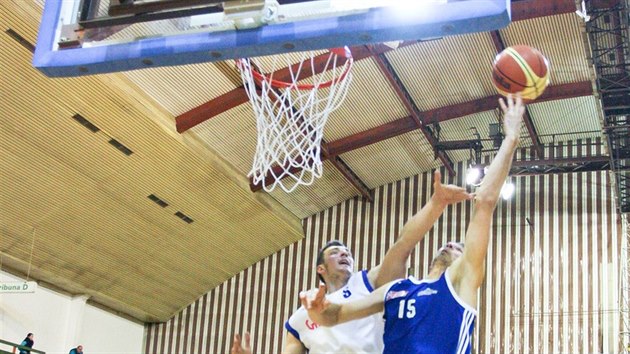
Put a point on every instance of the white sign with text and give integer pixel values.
(18, 287)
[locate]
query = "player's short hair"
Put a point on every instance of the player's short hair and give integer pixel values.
(320, 255)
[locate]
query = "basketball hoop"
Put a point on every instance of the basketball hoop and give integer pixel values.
(292, 105)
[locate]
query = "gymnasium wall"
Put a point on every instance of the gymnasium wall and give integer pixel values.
(552, 272)
(60, 322)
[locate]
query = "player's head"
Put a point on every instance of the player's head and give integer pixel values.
(448, 253)
(333, 257)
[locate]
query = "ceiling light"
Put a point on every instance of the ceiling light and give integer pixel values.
(507, 191)
(472, 175)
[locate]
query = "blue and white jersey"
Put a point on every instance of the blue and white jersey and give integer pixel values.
(361, 336)
(427, 316)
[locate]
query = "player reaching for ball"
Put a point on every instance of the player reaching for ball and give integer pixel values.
(335, 267)
(436, 314)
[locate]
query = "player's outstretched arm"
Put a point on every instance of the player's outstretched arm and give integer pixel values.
(471, 265)
(325, 313)
(394, 264)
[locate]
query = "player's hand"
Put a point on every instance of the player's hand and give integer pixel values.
(315, 305)
(513, 110)
(241, 346)
(448, 194)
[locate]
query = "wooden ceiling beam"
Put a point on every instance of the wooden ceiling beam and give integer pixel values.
(553, 92)
(372, 136)
(412, 109)
(238, 96)
(347, 172)
(407, 124)
(525, 10)
(339, 164)
(521, 10)
(210, 109)
(359, 140)
(349, 143)
(352, 177)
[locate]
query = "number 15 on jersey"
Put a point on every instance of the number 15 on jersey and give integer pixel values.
(407, 308)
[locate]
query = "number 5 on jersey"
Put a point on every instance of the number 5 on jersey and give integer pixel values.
(408, 310)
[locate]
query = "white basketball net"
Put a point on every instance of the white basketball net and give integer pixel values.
(291, 116)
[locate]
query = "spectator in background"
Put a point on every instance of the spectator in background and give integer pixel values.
(27, 342)
(77, 350)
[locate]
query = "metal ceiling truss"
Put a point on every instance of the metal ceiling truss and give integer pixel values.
(608, 34)
(527, 166)
(560, 165)
(474, 146)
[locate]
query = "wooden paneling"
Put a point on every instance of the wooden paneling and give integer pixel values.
(82, 204)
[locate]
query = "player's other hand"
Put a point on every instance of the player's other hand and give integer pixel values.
(241, 346)
(448, 194)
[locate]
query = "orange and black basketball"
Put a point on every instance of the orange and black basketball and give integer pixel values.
(523, 69)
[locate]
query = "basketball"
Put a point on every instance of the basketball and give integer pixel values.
(523, 69)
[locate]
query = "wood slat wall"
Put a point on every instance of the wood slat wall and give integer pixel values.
(552, 278)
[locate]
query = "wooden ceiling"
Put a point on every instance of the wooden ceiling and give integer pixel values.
(75, 211)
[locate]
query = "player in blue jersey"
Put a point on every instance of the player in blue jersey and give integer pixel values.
(335, 267)
(436, 314)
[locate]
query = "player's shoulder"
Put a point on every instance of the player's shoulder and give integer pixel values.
(410, 280)
(360, 280)
(402, 285)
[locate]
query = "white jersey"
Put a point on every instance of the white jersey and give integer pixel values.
(359, 336)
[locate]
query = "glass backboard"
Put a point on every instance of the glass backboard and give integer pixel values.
(83, 37)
